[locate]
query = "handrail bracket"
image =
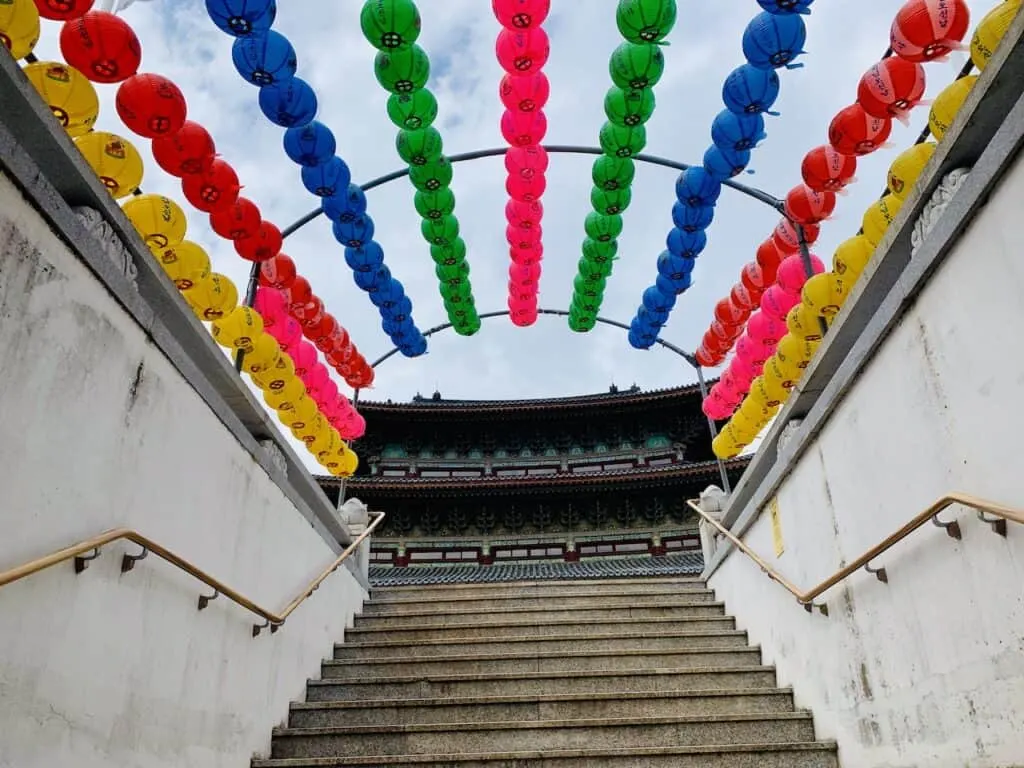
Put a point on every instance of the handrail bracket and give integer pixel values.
(204, 600)
(997, 524)
(82, 561)
(128, 561)
(822, 608)
(952, 528)
(880, 573)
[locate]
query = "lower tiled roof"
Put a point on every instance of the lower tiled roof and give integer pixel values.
(683, 564)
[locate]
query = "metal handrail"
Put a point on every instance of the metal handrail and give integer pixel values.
(806, 599)
(78, 553)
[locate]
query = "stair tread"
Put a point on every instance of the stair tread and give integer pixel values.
(540, 698)
(537, 622)
(538, 655)
(710, 749)
(542, 583)
(546, 609)
(639, 591)
(540, 638)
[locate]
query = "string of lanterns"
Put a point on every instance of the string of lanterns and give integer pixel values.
(772, 40)
(403, 68)
(635, 67)
(917, 36)
(522, 51)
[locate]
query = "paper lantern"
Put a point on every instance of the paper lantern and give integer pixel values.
(786, 6)
(737, 132)
(521, 14)
(771, 41)
(741, 298)
(434, 205)
(825, 294)
(645, 21)
(238, 329)
(283, 398)
(891, 88)
(355, 233)
(412, 111)
(803, 323)
(787, 239)
(101, 46)
(768, 259)
(929, 29)
(521, 129)
(691, 218)
(526, 190)
(776, 302)
(62, 10)
(151, 105)
(345, 205)
(185, 263)
(264, 57)
(189, 150)
(636, 65)
(419, 147)
(602, 228)
(780, 377)
(752, 278)
(212, 297)
(526, 161)
(277, 272)
(948, 103)
(629, 107)
(725, 164)
(796, 352)
(705, 358)
(309, 145)
(612, 173)
(765, 329)
(792, 273)
(522, 51)
(66, 91)
(620, 141)
(264, 245)
(524, 93)
(432, 175)
(288, 103)
(726, 312)
(115, 160)
(310, 313)
(687, 244)
(749, 90)
(751, 352)
(367, 258)
(302, 411)
(328, 178)
(271, 305)
(262, 354)
(824, 169)
(852, 256)
(452, 253)
(854, 132)
(19, 27)
(239, 219)
(990, 32)
(214, 189)
(807, 206)
(241, 17)
(696, 188)
(907, 168)
(287, 334)
(158, 219)
(610, 202)
(879, 216)
(402, 71)
(390, 24)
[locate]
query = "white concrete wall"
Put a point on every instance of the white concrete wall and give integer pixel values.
(929, 669)
(98, 431)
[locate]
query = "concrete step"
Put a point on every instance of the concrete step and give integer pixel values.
(605, 733)
(670, 585)
(547, 707)
(689, 592)
(416, 685)
(567, 600)
(581, 628)
(565, 644)
(792, 755)
(546, 613)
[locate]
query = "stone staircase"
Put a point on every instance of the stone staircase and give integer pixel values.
(637, 673)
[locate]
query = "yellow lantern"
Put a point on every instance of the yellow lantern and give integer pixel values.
(303, 410)
(803, 324)
(277, 375)
(879, 216)
(349, 460)
(311, 429)
(793, 350)
(948, 103)
(852, 256)
(724, 447)
(19, 26)
(212, 297)
(264, 353)
(158, 220)
(323, 442)
(991, 31)
(744, 423)
(907, 167)
(283, 398)
(825, 293)
(238, 329)
(68, 93)
(778, 379)
(185, 263)
(116, 161)
(768, 395)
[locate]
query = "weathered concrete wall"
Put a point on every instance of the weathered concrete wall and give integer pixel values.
(98, 430)
(929, 669)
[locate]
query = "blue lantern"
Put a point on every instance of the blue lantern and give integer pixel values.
(372, 281)
(786, 6)
(355, 233)
(652, 319)
(388, 294)
(772, 40)
(327, 179)
(242, 17)
(676, 285)
(738, 133)
(642, 333)
(345, 207)
(310, 145)
(400, 310)
(696, 187)
(393, 327)
(264, 57)
(368, 258)
(749, 90)
(656, 300)
(691, 218)
(675, 267)
(686, 244)
(414, 346)
(722, 165)
(289, 103)
(636, 342)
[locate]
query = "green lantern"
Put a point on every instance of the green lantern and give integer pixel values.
(390, 24)
(582, 324)
(620, 141)
(449, 254)
(610, 202)
(441, 231)
(412, 111)
(402, 71)
(603, 228)
(454, 295)
(589, 288)
(636, 65)
(597, 250)
(433, 175)
(645, 21)
(629, 107)
(419, 147)
(436, 204)
(586, 305)
(447, 273)
(593, 270)
(613, 172)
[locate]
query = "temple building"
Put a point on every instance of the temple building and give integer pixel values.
(510, 488)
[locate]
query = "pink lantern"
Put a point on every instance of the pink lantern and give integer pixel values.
(749, 351)
(522, 129)
(271, 306)
(523, 294)
(527, 256)
(526, 190)
(521, 14)
(524, 274)
(522, 238)
(734, 383)
(522, 51)
(327, 396)
(304, 358)
(316, 376)
(777, 302)
(792, 276)
(526, 161)
(766, 329)
(524, 93)
(743, 371)
(517, 211)
(287, 333)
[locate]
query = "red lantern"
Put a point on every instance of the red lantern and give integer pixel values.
(787, 239)
(190, 150)
(298, 294)
(768, 259)
(361, 377)
(524, 215)
(725, 333)
(526, 162)
(520, 14)
(891, 88)
(752, 278)
(151, 105)
(806, 206)
(63, 10)
(522, 52)
(525, 93)
(742, 300)
(522, 129)
(714, 344)
(527, 256)
(706, 358)
(264, 245)
(824, 169)
(310, 313)
(240, 219)
(101, 46)
(523, 238)
(929, 29)
(526, 190)
(727, 313)
(854, 132)
(215, 189)
(278, 272)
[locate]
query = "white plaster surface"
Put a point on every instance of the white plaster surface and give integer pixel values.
(98, 431)
(929, 669)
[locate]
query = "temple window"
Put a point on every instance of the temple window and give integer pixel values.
(658, 441)
(393, 451)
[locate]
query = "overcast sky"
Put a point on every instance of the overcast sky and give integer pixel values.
(844, 38)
